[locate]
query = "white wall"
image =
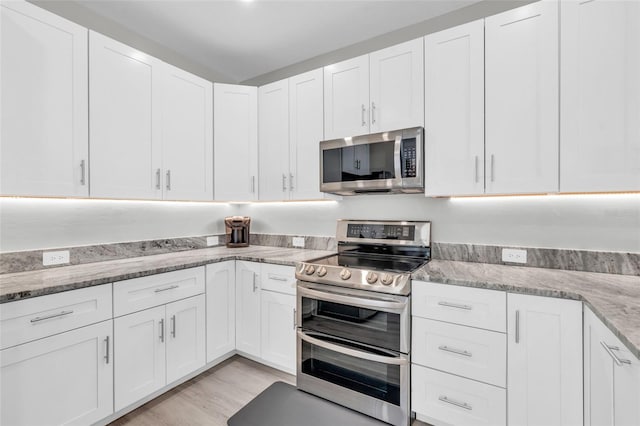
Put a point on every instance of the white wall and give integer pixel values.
(590, 222)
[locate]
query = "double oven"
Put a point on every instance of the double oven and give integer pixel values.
(353, 317)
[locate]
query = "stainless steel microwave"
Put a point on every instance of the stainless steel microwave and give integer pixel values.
(387, 162)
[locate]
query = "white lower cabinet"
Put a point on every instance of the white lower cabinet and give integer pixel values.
(611, 377)
(278, 329)
(248, 307)
(545, 361)
(63, 379)
(156, 347)
(221, 309)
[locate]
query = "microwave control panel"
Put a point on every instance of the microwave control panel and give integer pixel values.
(408, 158)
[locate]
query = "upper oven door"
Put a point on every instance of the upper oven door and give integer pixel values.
(360, 316)
(381, 162)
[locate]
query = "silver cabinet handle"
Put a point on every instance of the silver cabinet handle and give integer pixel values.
(373, 112)
(277, 278)
(364, 110)
(169, 180)
(610, 350)
(46, 317)
(173, 326)
(475, 173)
(253, 184)
(171, 287)
(456, 305)
(455, 351)
(290, 181)
(162, 330)
(492, 167)
(294, 318)
(106, 355)
(448, 400)
(284, 182)
(82, 173)
(158, 179)
(517, 326)
(255, 287)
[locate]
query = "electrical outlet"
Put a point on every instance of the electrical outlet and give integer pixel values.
(514, 256)
(55, 257)
(298, 242)
(213, 241)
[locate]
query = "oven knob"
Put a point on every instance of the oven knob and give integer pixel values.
(386, 279)
(309, 270)
(322, 271)
(372, 277)
(345, 274)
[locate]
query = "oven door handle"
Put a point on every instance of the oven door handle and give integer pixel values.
(366, 302)
(352, 352)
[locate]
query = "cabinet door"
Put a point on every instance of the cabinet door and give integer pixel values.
(598, 373)
(346, 98)
(185, 337)
(454, 111)
(62, 379)
(544, 352)
(140, 355)
(626, 379)
(248, 307)
(44, 95)
(278, 327)
(221, 309)
(125, 120)
(235, 142)
(273, 138)
(521, 75)
(306, 130)
(600, 99)
(397, 87)
(187, 136)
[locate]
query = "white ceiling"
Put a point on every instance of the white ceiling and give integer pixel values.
(245, 39)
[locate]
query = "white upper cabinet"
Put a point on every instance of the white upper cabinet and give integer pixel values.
(305, 132)
(397, 87)
(235, 142)
(521, 75)
(346, 98)
(125, 114)
(187, 136)
(454, 111)
(600, 99)
(273, 137)
(43, 119)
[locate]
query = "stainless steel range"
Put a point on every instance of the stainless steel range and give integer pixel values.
(353, 317)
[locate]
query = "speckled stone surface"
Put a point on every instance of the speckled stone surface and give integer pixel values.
(22, 285)
(615, 299)
(566, 259)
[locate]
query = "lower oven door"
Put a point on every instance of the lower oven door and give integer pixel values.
(370, 380)
(381, 320)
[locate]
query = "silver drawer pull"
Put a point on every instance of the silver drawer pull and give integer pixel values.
(277, 278)
(173, 326)
(610, 350)
(158, 290)
(60, 314)
(456, 305)
(455, 351)
(456, 403)
(106, 355)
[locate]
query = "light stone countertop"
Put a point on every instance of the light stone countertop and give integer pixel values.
(22, 285)
(615, 299)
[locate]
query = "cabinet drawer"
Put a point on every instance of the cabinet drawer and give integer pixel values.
(154, 290)
(460, 305)
(465, 351)
(26, 320)
(444, 399)
(278, 278)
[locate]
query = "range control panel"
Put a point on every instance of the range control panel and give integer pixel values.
(408, 158)
(381, 232)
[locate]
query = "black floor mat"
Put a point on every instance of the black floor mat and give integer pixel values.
(282, 404)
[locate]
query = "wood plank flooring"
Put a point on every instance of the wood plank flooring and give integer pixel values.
(210, 398)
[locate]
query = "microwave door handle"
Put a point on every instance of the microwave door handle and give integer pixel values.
(352, 352)
(397, 151)
(360, 302)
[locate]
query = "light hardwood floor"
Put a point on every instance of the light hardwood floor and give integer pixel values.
(210, 398)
